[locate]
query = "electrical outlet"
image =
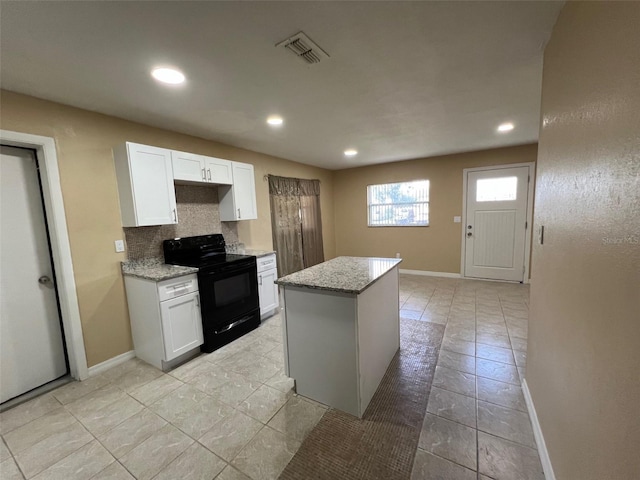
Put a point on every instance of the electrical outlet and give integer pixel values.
(119, 246)
(398, 255)
(457, 219)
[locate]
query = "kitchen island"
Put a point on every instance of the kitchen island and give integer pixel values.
(341, 329)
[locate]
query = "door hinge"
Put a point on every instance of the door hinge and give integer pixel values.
(528, 178)
(526, 225)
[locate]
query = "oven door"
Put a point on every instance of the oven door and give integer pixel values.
(226, 293)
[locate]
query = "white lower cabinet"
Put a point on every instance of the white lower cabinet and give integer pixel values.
(165, 318)
(267, 288)
(181, 324)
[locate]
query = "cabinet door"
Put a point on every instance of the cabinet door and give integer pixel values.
(153, 194)
(238, 201)
(218, 171)
(268, 291)
(181, 325)
(188, 167)
(244, 186)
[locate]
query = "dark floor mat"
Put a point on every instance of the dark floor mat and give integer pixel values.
(383, 443)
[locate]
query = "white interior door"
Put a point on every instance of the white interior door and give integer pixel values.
(31, 346)
(495, 229)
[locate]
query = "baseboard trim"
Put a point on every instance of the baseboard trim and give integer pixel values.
(537, 433)
(426, 273)
(112, 362)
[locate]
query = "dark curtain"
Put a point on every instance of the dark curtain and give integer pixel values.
(296, 223)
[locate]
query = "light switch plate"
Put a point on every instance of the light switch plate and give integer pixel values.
(119, 246)
(457, 219)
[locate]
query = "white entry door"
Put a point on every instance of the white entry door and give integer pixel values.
(31, 345)
(496, 223)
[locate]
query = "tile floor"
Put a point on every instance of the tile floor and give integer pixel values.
(229, 415)
(476, 426)
(232, 415)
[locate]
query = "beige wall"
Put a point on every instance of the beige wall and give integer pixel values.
(84, 141)
(583, 366)
(434, 248)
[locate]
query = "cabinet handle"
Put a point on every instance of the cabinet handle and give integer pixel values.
(259, 279)
(204, 174)
(198, 301)
(239, 214)
(175, 216)
(209, 172)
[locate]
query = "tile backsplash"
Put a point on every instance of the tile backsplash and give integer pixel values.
(198, 214)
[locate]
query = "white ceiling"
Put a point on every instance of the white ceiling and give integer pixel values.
(404, 79)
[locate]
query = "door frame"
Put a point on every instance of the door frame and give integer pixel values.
(45, 151)
(527, 236)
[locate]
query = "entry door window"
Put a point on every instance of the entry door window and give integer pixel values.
(497, 189)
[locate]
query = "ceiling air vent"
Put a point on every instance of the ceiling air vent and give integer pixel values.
(303, 48)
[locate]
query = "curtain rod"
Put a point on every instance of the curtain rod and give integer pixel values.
(266, 176)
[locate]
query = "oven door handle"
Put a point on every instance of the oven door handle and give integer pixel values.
(230, 269)
(226, 328)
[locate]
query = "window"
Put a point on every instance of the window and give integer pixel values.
(496, 189)
(404, 204)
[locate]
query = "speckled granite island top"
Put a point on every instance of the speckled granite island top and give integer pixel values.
(342, 274)
(154, 269)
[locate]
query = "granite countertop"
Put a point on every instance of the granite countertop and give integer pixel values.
(250, 251)
(154, 269)
(342, 274)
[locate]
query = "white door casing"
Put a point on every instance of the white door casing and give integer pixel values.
(497, 216)
(31, 346)
(45, 149)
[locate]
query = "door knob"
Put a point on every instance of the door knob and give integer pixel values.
(44, 280)
(469, 234)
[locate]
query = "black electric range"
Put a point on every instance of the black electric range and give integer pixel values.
(228, 286)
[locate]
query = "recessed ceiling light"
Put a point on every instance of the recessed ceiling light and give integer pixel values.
(505, 127)
(351, 152)
(168, 75)
(275, 120)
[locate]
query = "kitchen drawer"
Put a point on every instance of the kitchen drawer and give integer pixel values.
(175, 287)
(266, 263)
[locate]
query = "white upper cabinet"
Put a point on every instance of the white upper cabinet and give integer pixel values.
(188, 167)
(192, 168)
(238, 201)
(218, 171)
(145, 185)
